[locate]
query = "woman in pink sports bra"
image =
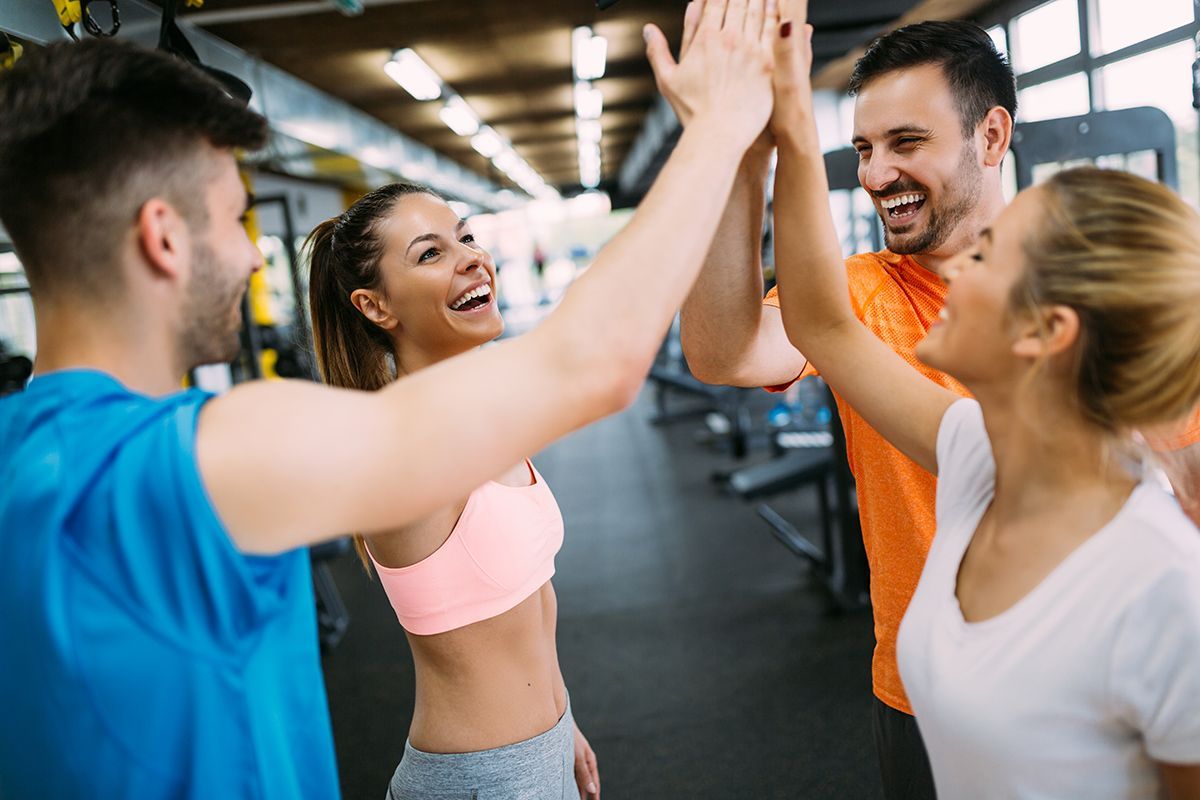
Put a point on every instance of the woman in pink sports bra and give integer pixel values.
(398, 279)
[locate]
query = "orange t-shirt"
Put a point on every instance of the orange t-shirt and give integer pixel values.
(898, 300)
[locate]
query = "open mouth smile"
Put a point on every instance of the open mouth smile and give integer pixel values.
(472, 300)
(903, 208)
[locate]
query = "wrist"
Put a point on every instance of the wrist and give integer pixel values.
(720, 133)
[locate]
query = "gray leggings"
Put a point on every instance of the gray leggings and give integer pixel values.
(541, 768)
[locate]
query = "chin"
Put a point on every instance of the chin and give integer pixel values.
(927, 353)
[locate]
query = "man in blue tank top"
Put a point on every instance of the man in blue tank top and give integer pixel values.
(147, 653)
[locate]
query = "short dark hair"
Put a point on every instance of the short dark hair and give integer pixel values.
(979, 76)
(91, 132)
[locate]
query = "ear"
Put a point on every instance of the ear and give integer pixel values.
(372, 306)
(163, 238)
(1058, 333)
(996, 130)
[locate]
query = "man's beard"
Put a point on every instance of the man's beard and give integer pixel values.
(961, 198)
(211, 312)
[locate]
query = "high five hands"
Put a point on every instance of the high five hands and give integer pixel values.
(724, 71)
(728, 48)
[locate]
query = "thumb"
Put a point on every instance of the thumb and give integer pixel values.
(658, 52)
(788, 61)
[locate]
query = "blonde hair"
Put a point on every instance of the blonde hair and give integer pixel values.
(1124, 253)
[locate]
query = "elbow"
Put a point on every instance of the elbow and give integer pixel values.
(704, 362)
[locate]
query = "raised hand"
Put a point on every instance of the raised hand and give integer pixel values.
(724, 69)
(792, 66)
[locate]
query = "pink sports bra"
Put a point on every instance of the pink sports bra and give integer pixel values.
(500, 552)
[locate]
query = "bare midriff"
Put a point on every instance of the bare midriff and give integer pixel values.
(491, 683)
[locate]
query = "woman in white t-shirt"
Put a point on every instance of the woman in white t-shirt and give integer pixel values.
(1052, 648)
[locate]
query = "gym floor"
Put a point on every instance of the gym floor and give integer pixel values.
(702, 662)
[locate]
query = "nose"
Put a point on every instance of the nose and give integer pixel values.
(470, 258)
(877, 172)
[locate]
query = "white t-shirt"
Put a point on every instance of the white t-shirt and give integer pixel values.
(1079, 687)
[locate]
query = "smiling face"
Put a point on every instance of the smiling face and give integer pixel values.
(974, 337)
(923, 174)
(436, 296)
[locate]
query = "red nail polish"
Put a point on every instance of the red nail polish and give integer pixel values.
(785, 30)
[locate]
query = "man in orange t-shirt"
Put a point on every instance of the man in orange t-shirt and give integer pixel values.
(932, 124)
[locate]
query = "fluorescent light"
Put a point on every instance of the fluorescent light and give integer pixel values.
(459, 117)
(414, 75)
(506, 161)
(589, 101)
(588, 130)
(487, 142)
(588, 54)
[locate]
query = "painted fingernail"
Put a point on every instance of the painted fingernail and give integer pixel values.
(646, 33)
(785, 30)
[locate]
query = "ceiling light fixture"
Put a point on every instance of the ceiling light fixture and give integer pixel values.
(414, 75)
(588, 53)
(459, 117)
(487, 142)
(589, 101)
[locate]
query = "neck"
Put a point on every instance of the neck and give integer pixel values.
(410, 359)
(127, 346)
(991, 203)
(1046, 453)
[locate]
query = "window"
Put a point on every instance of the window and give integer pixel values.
(1065, 97)
(999, 38)
(1047, 34)
(1161, 78)
(1121, 23)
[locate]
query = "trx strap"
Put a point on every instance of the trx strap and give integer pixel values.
(10, 51)
(172, 40)
(73, 12)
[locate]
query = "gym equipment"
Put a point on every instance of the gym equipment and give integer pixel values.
(172, 40)
(74, 12)
(10, 52)
(1096, 136)
(670, 373)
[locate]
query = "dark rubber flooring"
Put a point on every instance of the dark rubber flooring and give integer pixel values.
(701, 661)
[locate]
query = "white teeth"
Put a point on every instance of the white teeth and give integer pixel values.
(481, 291)
(902, 199)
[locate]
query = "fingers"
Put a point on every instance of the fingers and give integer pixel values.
(594, 774)
(691, 21)
(754, 17)
(770, 24)
(658, 53)
(713, 15)
(585, 780)
(795, 11)
(735, 14)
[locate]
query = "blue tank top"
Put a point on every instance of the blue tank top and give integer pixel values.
(142, 654)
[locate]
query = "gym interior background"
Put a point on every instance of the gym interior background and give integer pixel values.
(714, 627)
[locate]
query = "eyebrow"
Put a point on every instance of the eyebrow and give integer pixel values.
(431, 237)
(901, 129)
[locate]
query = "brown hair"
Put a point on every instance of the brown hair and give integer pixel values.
(90, 132)
(344, 253)
(1124, 253)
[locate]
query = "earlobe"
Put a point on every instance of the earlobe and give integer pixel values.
(370, 306)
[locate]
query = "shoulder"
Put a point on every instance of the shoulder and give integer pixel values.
(966, 469)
